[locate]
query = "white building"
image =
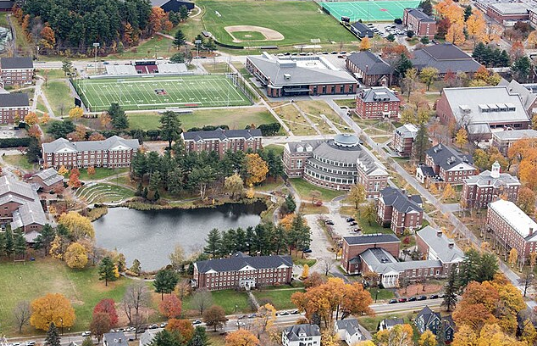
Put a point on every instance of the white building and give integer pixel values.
(301, 335)
(350, 331)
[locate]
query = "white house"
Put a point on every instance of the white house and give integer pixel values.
(389, 323)
(115, 339)
(147, 337)
(301, 335)
(350, 331)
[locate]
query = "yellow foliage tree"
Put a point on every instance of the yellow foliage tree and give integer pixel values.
(241, 338)
(513, 257)
(305, 271)
(476, 26)
(256, 169)
(91, 171)
(76, 113)
(427, 339)
(76, 256)
(63, 171)
(533, 258)
(53, 307)
(400, 335)
(45, 118)
(532, 39)
(250, 193)
(433, 189)
(31, 119)
(528, 333)
(461, 139)
(329, 338)
(448, 193)
(465, 336)
(79, 226)
(56, 248)
(266, 316)
(455, 34)
(365, 44)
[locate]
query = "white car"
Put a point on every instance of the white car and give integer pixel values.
(86, 333)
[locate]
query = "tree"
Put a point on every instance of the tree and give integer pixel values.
(449, 193)
(76, 113)
(21, 314)
(266, 316)
(200, 337)
(177, 257)
(170, 306)
(513, 257)
(100, 324)
(48, 37)
(305, 271)
(289, 204)
(476, 26)
(106, 270)
(402, 65)
(52, 338)
(74, 181)
(165, 338)
(357, 195)
(532, 39)
(365, 44)
(63, 171)
(52, 308)
(428, 75)
(424, 40)
(400, 335)
(136, 298)
(179, 39)
(521, 68)
(450, 295)
(201, 300)
(78, 226)
(427, 7)
(213, 242)
(165, 281)
(183, 327)
(256, 169)
(118, 117)
(136, 266)
(241, 338)
(107, 306)
(96, 136)
(178, 58)
(170, 127)
(421, 144)
(76, 256)
(526, 200)
(234, 185)
(455, 34)
(215, 317)
(427, 339)
(369, 212)
(67, 66)
(409, 81)
(462, 137)
(31, 119)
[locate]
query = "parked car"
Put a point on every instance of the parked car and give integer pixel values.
(422, 298)
(307, 251)
(392, 301)
(354, 223)
(252, 316)
(412, 299)
(433, 296)
(282, 313)
(196, 322)
(329, 222)
(402, 300)
(30, 343)
(350, 219)
(242, 317)
(86, 333)
(294, 312)
(163, 324)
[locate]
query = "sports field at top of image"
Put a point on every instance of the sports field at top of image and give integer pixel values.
(369, 11)
(298, 22)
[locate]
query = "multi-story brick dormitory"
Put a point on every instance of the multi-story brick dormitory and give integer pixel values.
(479, 190)
(403, 139)
(113, 152)
(423, 25)
(241, 271)
(17, 70)
(449, 165)
(370, 69)
(398, 210)
(377, 102)
(13, 106)
(221, 140)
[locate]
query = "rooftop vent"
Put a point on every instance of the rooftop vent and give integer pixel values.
(287, 76)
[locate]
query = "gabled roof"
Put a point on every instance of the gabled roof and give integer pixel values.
(221, 134)
(382, 262)
(16, 63)
(400, 200)
(428, 316)
(513, 135)
(362, 29)
(30, 210)
(427, 170)
(370, 63)
(159, 3)
(14, 100)
(49, 176)
(147, 337)
(391, 322)
(526, 96)
(444, 57)
(378, 238)
(351, 325)
(112, 143)
(418, 13)
(407, 131)
(447, 157)
(115, 339)
(238, 263)
(443, 247)
(292, 333)
(486, 179)
(378, 94)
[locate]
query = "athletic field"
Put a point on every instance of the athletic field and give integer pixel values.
(160, 92)
(369, 11)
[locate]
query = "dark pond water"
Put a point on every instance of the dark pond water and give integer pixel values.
(150, 236)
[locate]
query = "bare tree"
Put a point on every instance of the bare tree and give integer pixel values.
(202, 300)
(136, 297)
(21, 314)
(183, 289)
(327, 265)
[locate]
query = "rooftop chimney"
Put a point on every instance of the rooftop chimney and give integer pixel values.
(451, 245)
(439, 233)
(531, 230)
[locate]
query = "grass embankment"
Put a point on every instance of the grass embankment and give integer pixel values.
(19, 161)
(101, 173)
(304, 189)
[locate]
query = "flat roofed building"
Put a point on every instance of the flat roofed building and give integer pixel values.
(221, 140)
(377, 102)
(299, 75)
(109, 153)
(526, 92)
(511, 228)
(17, 70)
(503, 140)
(12, 106)
(504, 12)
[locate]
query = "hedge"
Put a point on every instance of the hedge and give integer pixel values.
(14, 142)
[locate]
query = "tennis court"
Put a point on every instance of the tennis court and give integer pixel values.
(160, 92)
(369, 11)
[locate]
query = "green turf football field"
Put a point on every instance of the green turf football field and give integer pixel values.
(139, 93)
(369, 11)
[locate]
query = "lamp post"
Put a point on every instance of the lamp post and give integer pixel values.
(61, 320)
(95, 46)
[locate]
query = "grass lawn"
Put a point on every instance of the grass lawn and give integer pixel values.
(383, 294)
(219, 67)
(371, 322)
(351, 103)
(277, 149)
(302, 261)
(58, 94)
(373, 228)
(232, 301)
(19, 161)
(157, 46)
(101, 173)
(3, 20)
(304, 188)
(281, 299)
(235, 118)
(295, 121)
(29, 280)
(298, 22)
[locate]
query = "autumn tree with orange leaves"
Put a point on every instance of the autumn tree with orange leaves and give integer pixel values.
(476, 27)
(53, 307)
(170, 306)
(256, 168)
(241, 338)
(48, 37)
(524, 152)
(183, 327)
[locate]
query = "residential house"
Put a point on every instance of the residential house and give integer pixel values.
(47, 180)
(377, 102)
(354, 246)
(449, 165)
(398, 210)
(336, 164)
(115, 339)
(445, 58)
(361, 30)
(482, 110)
(350, 331)
(370, 69)
(423, 25)
(299, 75)
(147, 337)
(13, 106)
(242, 271)
(221, 140)
(16, 70)
(511, 228)
(389, 323)
(425, 174)
(479, 190)
(503, 140)
(301, 335)
(433, 244)
(403, 139)
(114, 152)
(427, 319)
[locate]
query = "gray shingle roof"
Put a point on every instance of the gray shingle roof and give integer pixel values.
(351, 325)
(221, 134)
(427, 170)
(115, 339)
(372, 239)
(447, 157)
(14, 100)
(515, 134)
(362, 29)
(437, 241)
(377, 94)
(382, 262)
(428, 316)
(112, 143)
(407, 131)
(30, 211)
(391, 322)
(49, 176)
(417, 13)
(147, 337)
(370, 63)
(486, 179)
(309, 330)
(285, 71)
(527, 97)
(16, 63)
(444, 57)
(237, 263)
(400, 201)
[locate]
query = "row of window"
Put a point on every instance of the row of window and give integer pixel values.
(329, 179)
(334, 163)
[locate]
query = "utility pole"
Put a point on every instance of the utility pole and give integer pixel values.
(95, 46)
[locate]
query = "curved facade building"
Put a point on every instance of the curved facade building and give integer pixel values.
(336, 164)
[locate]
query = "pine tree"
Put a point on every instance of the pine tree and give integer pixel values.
(450, 298)
(20, 244)
(179, 39)
(9, 247)
(2, 243)
(214, 242)
(421, 144)
(200, 337)
(44, 239)
(52, 338)
(106, 270)
(165, 281)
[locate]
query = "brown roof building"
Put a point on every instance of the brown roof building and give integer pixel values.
(398, 210)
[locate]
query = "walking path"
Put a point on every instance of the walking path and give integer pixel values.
(308, 120)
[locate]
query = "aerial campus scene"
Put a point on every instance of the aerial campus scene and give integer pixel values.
(278, 172)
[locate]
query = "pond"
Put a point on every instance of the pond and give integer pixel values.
(150, 236)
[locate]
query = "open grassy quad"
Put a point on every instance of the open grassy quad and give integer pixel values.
(137, 93)
(230, 300)
(297, 21)
(30, 280)
(59, 96)
(101, 173)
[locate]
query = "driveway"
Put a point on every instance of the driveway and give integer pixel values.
(320, 245)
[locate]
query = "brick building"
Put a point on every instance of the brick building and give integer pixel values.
(370, 69)
(398, 210)
(511, 228)
(113, 152)
(433, 244)
(526, 92)
(47, 180)
(403, 139)
(449, 165)
(479, 190)
(17, 71)
(299, 75)
(423, 25)
(354, 246)
(507, 13)
(503, 140)
(336, 164)
(15, 105)
(221, 140)
(242, 271)
(377, 102)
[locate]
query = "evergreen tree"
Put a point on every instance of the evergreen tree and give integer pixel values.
(478, 52)
(20, 243)
(33, 153)
(145, 193)
(10, 245)
(87, 341)
(289, 204)
(402, 65)
(469, 267)
(139, 164)
(44, 239)
(156, 196)
(214, 242)
(2, 243)
(488, 267)
(504, 59)
(179, 39)
(52, 338)
(521, 68)
(183, 13)
(427, 7)
(450, 298)
(170, 128)
(107, 270)
(118, 116)
(199, 338)
(165, 281)
(166, 338)
(279, 239)
(421, 144)
(467, 12)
